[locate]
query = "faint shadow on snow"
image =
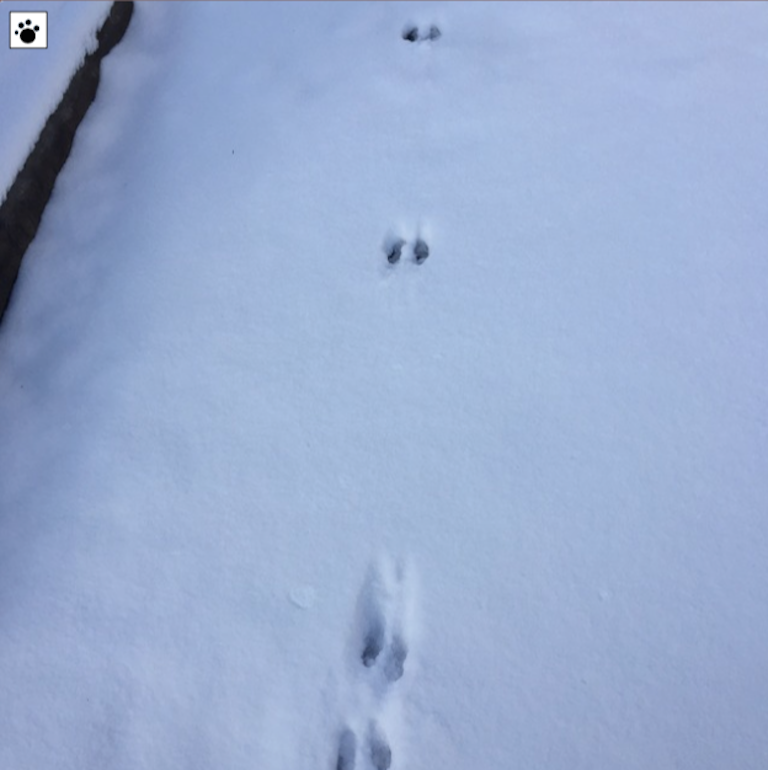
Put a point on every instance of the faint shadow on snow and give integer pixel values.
(378, 747)
(345, 759)
(372, 608)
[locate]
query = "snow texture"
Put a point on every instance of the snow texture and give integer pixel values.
(268, 500)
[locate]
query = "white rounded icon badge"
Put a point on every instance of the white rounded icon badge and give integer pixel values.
(29, 29)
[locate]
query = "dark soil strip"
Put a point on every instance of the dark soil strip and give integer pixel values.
(23, 207)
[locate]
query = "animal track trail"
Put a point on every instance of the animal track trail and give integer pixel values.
(381, 650)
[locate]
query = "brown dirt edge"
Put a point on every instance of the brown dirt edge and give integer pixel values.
(22, 209)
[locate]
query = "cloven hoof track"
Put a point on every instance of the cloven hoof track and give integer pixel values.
(393, 250)
(378, 746)
(420, 251)
(412, 35)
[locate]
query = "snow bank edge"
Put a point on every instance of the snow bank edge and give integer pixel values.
(22, 209)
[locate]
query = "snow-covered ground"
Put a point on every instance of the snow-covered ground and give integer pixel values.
(33, 81)
(267, 501)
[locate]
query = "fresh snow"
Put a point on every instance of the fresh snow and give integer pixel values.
(268, 501)
(33, 81)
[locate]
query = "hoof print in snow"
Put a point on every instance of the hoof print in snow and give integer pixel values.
(420, 251)
(411, 34)
(394, 667)
(381, 753)
(374, 644)
(347, 750)
(393, 250)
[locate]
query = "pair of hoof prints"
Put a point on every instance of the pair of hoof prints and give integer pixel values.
(379, 752)
(412, 35)
(394, 250)
(383, 651)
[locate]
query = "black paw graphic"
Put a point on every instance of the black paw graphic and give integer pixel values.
(27, 31)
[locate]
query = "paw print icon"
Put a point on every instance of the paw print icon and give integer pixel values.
(28, 29)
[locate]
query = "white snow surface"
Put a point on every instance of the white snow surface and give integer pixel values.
(32, 81)
(240, 452)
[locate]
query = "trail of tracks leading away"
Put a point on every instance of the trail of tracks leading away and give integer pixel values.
(271, 499)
